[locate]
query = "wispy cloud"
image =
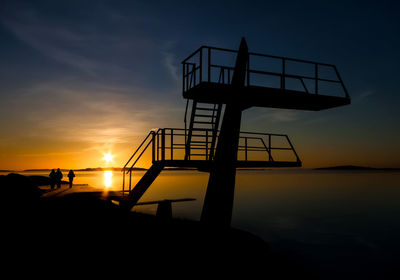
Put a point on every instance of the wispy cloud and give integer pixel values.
(105, 98)
(93, 116)
(277, 115)
(315, 120)
(170, 62)
(80, 45)
(363, 96)
(56, 42)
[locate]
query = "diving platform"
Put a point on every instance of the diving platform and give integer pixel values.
(255, 150)
(167, 148)
(203, 165)
(270, 81)
(220, 84)
(257, 96)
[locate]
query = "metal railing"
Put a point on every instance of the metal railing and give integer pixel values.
(200, 67)
(134, 159)
(169, 144)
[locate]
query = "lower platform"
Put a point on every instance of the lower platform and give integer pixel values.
(215, 93)
(204, 165)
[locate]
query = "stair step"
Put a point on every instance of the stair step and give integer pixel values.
(205, 116)
(202, 129)
(201, 135)
(203, 122)
(200, 146)
(205, 109)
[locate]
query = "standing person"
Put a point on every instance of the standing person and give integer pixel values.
(52, 176)
(59, 176)
(71, 176)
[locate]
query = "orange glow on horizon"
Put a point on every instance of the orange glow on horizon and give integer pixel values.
(71, 155)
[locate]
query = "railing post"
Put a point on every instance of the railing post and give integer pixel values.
(163, 144)
(172, 144)
(269, 147)
(283, 80)
(209, 63)
(153, 154)
(245, 148)
(294, 151)
(206, 144)
(185, 131)
(191, 78)
(130, 179)
(201, 64)
(187, 76)
(183, 78)
(341, 81)
(158, 145)
(123, 182)
(316, 78)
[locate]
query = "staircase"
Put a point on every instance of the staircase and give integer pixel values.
(141, 187)
(203, 129)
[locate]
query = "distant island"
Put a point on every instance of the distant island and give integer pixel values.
(354, 167)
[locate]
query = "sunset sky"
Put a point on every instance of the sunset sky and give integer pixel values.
(80, 79)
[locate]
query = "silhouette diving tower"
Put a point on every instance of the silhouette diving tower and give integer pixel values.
(221, 84)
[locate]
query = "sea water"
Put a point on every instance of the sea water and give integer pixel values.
(340, 224)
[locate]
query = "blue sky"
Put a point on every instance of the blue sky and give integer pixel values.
(78, 77)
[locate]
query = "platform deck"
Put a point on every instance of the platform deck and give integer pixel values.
(215, 93)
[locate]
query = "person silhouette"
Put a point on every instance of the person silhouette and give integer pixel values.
(71, 176)
(59, 176)
(52, 176)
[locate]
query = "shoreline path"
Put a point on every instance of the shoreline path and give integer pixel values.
(79, 188)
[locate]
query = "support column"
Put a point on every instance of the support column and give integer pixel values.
(218, 203)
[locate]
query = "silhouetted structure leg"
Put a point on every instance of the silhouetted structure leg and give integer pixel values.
(218, 203)
(141, 187)
(164, 210)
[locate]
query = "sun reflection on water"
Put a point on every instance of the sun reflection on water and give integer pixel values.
(108, 178)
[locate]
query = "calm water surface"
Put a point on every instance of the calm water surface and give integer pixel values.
(343, 225)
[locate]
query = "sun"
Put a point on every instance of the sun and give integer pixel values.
(108, 158)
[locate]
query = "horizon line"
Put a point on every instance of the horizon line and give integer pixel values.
(335, 167)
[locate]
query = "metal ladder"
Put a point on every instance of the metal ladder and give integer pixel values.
(203, 130)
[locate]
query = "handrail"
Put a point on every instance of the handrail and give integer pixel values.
(203, 69)
(148, 135)
(133, 164)
(130, 159)
(165, 148)
(256, 54)
(170, 141)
